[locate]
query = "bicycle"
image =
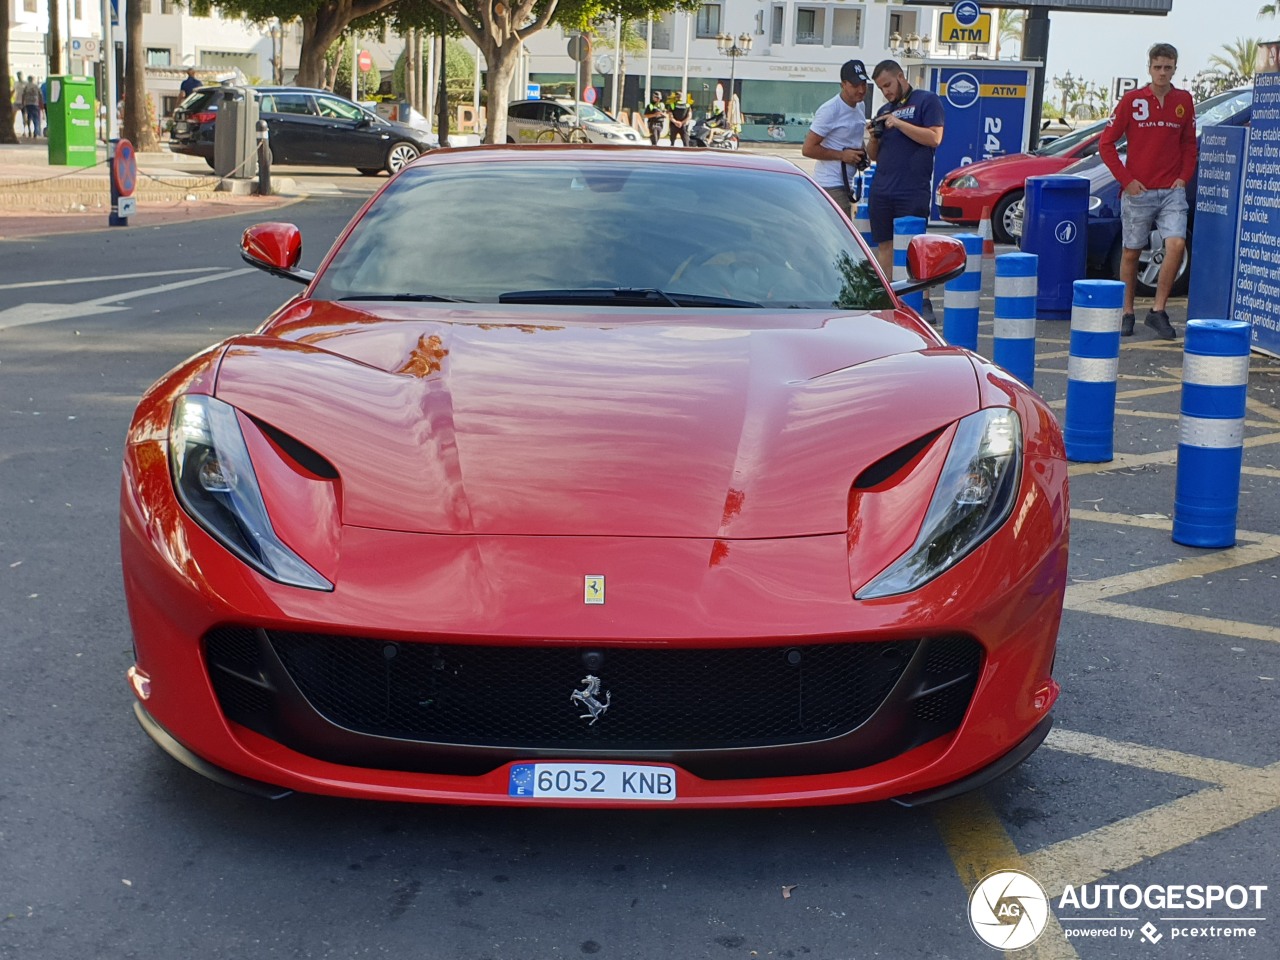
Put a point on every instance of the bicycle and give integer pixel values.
(563, 131)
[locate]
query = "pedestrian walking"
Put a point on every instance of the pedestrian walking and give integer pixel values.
(905, 133)
(1160, 123)
(836, 136)
(655, 115)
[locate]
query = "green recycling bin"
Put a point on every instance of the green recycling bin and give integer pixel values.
(73, 121)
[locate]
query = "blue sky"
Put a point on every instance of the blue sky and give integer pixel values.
(1100, 46)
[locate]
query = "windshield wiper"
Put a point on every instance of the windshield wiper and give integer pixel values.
(415, 297)
(620, 295)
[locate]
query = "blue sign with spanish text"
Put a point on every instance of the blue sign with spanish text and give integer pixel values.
(1257, 298)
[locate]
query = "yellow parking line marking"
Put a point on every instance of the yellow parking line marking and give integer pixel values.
(1202, 565)
(978, 844)
(1140, 755)
(1178, 621)
(1128, 842)
(1261, 472)
(1257, 406)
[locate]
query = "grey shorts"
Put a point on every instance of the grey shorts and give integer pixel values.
(842, 196)
(1163, 209)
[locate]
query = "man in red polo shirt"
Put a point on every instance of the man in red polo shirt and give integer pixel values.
(1160, 122)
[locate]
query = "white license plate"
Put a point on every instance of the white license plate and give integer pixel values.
(180, 127)
(593, 781)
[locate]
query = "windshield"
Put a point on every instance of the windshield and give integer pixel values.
(590, 114)
(1223, 107)
(678, 232)
(1067, 143)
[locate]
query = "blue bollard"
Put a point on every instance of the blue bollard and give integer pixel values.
(1215, 387)
(960, 311)
(1096, 308)
(1015, 315)
(904, 228)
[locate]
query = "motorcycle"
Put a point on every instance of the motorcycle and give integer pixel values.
(710, 132)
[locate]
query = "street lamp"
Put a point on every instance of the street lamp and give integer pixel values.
(733, 49)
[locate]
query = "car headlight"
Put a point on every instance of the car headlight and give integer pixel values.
(216, 485)
(966, 182)
(974, 495)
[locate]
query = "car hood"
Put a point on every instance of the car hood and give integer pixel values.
(737, 425)
(1016, 166)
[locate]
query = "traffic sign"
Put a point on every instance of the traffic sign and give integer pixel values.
(579, 48)
(365, 61)
(125, 168)
(589, 94)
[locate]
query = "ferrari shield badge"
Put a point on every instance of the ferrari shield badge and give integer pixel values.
(587, 699)
(593, 588)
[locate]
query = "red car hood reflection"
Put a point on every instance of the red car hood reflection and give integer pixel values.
(731, 425)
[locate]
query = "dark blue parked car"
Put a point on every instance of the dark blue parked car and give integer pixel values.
(1232, 108)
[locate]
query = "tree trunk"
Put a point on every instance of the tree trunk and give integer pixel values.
(502, 62)
(139, 125)
(7, 133)
(321, 29)
(442, 103)
(55, 37)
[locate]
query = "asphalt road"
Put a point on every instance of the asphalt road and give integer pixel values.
(1161, 770)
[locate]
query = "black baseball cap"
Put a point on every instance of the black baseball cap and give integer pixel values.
(853, 71)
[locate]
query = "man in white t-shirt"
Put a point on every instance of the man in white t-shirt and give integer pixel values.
(836, 135)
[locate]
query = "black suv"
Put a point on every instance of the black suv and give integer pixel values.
(315, 127)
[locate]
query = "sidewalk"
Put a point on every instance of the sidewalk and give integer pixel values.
(37, 198)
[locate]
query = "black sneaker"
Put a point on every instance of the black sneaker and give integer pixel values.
(1126, 325)
(927, 314)
(1158, 320)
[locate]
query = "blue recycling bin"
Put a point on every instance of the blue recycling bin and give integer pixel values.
(1055, 218)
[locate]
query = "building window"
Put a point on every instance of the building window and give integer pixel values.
(158, 57)
(662, 31)
(28, 6)
(166, 6)
(779, 19)
(708, 21)
(846, 27)
(77, 10)
(809, 25)
(903, 23)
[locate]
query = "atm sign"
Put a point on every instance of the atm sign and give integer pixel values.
(952, 31)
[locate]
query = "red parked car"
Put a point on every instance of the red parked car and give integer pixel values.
(997, 184)
(574, 508)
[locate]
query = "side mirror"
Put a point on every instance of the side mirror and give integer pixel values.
(275, 248)
(364, 121)
(931, 260)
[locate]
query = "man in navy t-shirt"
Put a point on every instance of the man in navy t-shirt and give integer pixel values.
(903, 137)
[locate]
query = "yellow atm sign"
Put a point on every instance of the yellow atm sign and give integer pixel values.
(952, 31)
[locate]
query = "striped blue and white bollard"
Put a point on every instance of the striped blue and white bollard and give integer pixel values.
(1015, 315)
(960, 313)
(1092, 367)
(904, 228)
(862, 220)
(1215, 387)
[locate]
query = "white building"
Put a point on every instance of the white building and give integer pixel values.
(792, 66)
(175, 39)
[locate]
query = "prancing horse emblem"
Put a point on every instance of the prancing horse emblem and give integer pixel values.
(588, 699)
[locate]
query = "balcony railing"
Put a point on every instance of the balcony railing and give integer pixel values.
(810, 38)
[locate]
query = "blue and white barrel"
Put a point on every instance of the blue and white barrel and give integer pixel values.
(1092, 368)
(904, 228)
(963, 295)
(1215, 387)
(1015, 315)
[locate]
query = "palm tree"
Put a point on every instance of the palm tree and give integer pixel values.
(1268, 10)
(1237, 58)
(1011, 26)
